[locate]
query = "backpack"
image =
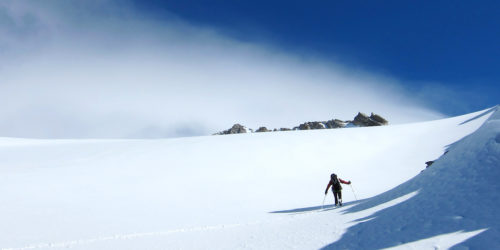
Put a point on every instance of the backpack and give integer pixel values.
(336, 182)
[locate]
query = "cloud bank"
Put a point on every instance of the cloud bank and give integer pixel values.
(101, 70)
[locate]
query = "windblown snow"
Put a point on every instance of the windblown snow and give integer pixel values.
(258, 190)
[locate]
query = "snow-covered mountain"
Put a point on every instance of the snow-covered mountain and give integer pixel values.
(259, 190)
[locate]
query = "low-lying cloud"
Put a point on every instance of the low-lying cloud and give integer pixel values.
(100, 70)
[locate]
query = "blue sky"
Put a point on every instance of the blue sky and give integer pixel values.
(155, 69)
(451, 45)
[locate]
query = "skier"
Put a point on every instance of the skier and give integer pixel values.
(336, 188)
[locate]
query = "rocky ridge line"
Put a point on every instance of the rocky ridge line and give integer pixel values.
(361, 120)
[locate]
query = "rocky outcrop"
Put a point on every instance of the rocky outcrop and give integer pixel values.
(428, 163)
(262, 129)
(311, 125)
(235, 129)
(335, 123)
(361, 120)
(379, 119)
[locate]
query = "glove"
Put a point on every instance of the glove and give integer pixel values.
(349, 183)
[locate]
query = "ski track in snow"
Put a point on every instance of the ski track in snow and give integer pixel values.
(72, 243)
(68, 244)
(290, 217)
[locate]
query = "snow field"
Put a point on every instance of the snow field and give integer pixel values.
(213, 191)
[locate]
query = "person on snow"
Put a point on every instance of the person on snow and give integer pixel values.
(336, 188)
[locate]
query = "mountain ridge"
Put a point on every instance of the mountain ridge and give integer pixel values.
(360, 120)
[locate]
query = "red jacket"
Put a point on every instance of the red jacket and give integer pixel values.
(331, 183)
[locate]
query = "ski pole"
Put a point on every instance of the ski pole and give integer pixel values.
(353, 192)
(323, 202)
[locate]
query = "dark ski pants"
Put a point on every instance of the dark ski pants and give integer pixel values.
(337, 194)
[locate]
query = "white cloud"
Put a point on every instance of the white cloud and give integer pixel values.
(113, 73)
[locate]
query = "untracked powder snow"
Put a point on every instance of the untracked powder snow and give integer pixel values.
(258, 190)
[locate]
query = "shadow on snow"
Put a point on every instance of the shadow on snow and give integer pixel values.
(481, 115)
(311, 209)
(458, 192)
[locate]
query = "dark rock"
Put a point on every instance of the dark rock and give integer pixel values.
(335, 124)
(263, 129)
(236, 129)
(304, 126)
(428, 163)
(311, 125)
(318, 125)
(363, 120)
(285, 129)
(378, 119)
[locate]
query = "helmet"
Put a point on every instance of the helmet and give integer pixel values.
(333, 176)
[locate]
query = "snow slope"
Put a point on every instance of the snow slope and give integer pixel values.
(261, 190)
(459, 192)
